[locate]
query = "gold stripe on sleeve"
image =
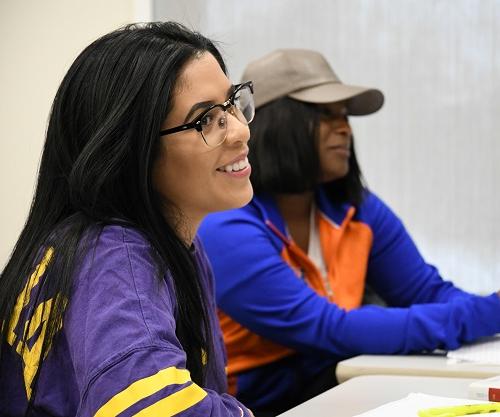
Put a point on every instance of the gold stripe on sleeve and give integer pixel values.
(24, 297)
(32, 356)
(174, 403)
(142, 389)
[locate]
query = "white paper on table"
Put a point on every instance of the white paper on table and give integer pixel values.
(410, 405)
(485, 351)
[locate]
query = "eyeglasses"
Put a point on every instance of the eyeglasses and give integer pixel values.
(212, 123)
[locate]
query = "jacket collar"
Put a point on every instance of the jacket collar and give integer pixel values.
(266, 205)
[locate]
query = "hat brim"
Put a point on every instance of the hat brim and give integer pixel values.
(360, 100)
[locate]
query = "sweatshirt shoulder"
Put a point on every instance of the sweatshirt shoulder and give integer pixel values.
(373, 210)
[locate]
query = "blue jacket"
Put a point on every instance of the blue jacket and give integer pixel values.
(281, 325)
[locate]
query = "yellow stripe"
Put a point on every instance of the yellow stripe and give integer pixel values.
(142, 389)
(24, 297)
(39, 271)
(31, 357)
(40, 315)
(174, 403)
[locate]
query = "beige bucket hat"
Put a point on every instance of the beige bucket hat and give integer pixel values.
(305, 75)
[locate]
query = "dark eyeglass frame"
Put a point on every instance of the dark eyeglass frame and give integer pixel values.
(196, 123)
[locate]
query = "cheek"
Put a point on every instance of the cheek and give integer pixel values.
(169, 174)
(324, 131)
(183, 179)
(324, 157)
(162, 179)
(189, 181)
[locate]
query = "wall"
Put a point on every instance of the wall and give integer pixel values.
(433, 151)
(38, 42)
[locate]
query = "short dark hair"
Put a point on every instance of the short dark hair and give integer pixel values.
(284, 156)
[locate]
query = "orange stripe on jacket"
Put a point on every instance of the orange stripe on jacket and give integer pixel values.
(346, 249)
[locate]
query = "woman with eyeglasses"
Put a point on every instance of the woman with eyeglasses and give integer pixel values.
(293, 266)
(106, 303)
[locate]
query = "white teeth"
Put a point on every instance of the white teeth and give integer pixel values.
(237, 166)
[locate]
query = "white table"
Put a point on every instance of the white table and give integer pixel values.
(416, 365)
(363, 393)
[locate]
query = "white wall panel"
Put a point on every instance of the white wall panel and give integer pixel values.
(38, 42)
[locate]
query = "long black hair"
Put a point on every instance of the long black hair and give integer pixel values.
(101, 143)
(284, 155)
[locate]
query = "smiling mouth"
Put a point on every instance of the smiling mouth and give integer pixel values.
(235, 166)
(341, 148)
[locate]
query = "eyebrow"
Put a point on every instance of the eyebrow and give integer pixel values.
(205, 104)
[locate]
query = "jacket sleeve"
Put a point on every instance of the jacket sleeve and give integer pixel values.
(120, 329)
(396, 269)
(258, 289)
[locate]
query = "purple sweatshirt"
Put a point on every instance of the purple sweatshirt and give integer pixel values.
(117, 352)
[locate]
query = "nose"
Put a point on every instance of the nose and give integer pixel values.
(237, 131)
(342, 127)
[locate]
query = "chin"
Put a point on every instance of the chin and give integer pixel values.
(334, 173)
(244, 198)
(236, 200)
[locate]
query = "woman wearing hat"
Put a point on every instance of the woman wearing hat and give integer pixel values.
(292, 267)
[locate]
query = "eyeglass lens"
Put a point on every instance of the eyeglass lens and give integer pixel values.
(214, 122)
